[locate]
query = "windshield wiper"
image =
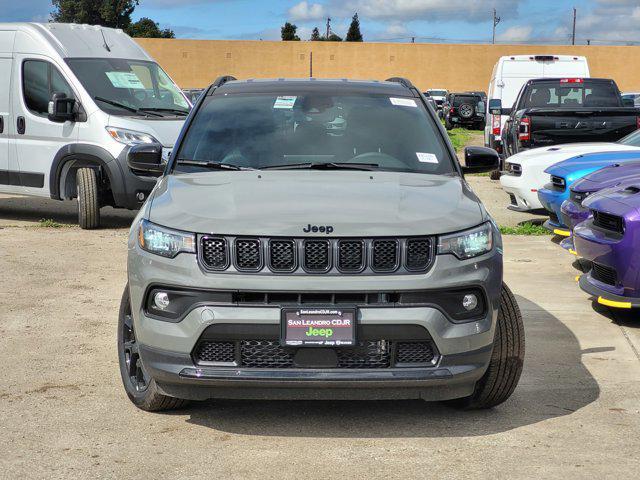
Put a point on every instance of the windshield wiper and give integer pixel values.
(170, 110)
(324, 166)
(213, 165)
(123, 106)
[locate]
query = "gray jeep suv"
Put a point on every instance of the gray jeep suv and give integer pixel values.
(315, 239)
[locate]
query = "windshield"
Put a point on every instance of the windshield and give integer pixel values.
(633, 139)
(269, 130)
(129, 87)
(559, 94)
(437, 93)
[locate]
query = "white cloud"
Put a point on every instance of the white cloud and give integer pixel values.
(517, 33)
(305, 11)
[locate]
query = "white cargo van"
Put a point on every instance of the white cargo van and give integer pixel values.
(512, 72)
(73, 100)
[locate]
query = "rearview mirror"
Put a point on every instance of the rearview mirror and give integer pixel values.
(495, 106)
(146, 158)
(480, 159)
(61, 108)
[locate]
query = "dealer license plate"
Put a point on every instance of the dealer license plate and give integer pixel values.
(318, 327)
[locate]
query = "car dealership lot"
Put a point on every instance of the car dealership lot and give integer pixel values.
(63, 411)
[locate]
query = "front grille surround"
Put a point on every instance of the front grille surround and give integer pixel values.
(214, 252)
(316, 256)
(248, 255)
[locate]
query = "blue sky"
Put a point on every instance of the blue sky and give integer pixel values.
(522, 21)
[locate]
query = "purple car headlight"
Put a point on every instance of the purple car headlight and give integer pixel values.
(467, 244)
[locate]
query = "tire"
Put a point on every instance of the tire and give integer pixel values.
(495, 175)
(466, 110)
(447, 124)
(88, 198)
(144, 392)
(507, 359)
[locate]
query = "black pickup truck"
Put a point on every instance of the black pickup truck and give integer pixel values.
(550, 111)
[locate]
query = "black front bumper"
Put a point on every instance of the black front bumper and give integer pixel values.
(454, 376)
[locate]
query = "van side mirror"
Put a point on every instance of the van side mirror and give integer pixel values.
(480, 159)
(495, 106)
(146, 158)
(61, 108)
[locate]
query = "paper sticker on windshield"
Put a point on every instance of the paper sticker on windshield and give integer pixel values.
(285, 102)
(125, 80)
(403, 102)
(426, 157)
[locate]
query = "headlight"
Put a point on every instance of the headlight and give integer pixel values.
(469, 243)
(130, 137)
(164, 241)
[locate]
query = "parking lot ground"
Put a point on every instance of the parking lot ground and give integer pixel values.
(63, 413)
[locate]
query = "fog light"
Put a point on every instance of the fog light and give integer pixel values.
(469, 302)
(161, 300)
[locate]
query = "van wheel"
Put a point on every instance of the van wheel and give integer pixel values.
(495, 175)
(88, 198)
(507, 359)
(139, 386)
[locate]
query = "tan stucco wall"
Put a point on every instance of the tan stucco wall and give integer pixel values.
(196, 63)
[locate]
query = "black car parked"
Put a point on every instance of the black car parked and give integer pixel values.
(551, 111)
(465, 110)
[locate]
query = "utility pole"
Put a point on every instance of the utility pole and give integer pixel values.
(328, 28)
(573, 35)
(496, 21)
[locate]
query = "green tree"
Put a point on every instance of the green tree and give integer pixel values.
(354, 34)
(334, 38)
(108, 13)
(145, 27)
(288, 32)
(315, 35)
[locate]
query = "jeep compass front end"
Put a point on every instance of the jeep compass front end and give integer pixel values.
(316, 239)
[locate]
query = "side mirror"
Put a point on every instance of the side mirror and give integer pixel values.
(146, 158)
(480, 159)
(61, 108)
(495, 106)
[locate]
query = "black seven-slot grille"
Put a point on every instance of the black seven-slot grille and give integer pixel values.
(268, 353)
(607, 221)
(317, 255)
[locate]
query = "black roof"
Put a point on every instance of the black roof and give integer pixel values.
(283, 85)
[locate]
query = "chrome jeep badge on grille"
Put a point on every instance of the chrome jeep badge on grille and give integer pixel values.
(318, 228)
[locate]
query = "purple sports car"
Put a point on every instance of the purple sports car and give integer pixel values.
(572, 210)
(610, 239)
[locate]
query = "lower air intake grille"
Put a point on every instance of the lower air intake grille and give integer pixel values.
(265, 354)
(215, 254)
(268, 353)
(316, 255)
(604, 274)
(369, 354)
(414, 352)
(609, 222)
(418, 254)
(216, 352)
(385, 255)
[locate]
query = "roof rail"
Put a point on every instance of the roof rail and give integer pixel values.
(218, 82)
(401, 80)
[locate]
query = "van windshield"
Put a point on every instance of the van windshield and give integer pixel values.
(307, 130)
(129, 87)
